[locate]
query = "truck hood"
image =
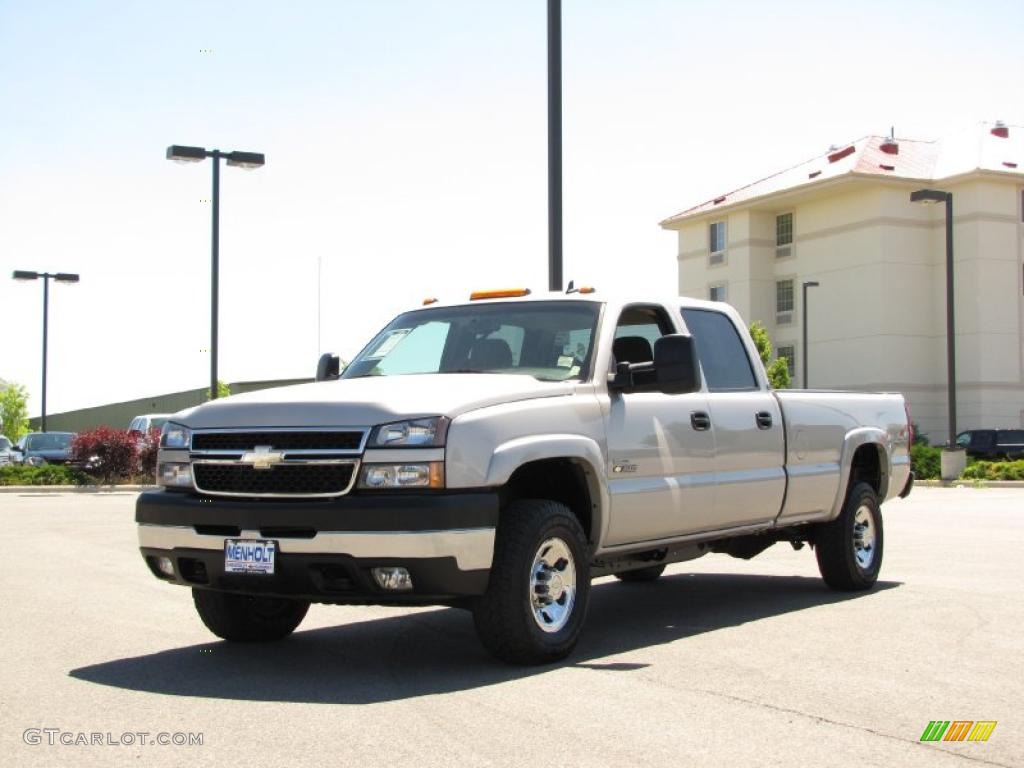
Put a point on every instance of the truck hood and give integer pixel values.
(368, 401)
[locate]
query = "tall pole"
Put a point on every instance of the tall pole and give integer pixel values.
(215, 276)
(806, 351)
(46, 323)
(950, 332)
(555, 145)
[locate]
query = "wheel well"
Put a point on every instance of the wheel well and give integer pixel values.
(561, 480)
(868, 467)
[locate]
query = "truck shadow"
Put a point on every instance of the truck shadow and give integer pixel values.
(430, 652)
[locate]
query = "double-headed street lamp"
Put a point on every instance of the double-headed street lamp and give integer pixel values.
(951, 466)
(46, 277)
(807, 356)
(248, 161)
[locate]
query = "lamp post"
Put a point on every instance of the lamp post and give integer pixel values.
(248, 161)
(46, 277)
(953, 459)
(807, 356)
(554, 145)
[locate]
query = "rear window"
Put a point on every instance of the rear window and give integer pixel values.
(723, 358)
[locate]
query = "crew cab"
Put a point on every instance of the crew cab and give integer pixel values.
(499, 453)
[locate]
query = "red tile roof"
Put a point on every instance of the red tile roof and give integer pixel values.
(981, 148)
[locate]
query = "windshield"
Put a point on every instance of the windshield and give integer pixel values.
(48, 441)
(550, 341)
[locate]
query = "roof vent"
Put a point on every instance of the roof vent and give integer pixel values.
(813, 174)
(1001, 130)
(885, 167)
(837, 156)
(718, 200)
(1009, 164)
(889, 146)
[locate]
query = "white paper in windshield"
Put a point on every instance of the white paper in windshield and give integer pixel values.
(392, 340)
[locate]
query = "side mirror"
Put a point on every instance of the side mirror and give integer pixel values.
(675, 364)
(328, 367)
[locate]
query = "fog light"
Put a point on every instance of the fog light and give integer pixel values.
(165, 566)
(174, 475)
(395, 579)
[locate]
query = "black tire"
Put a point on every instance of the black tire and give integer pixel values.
(838, 543)
(248, 619)
(650, 573)
(505, 616)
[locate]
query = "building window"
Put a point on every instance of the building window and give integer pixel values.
(784, 229)
(784, 296)
(790, 354)
(716, 237)
(718, 292)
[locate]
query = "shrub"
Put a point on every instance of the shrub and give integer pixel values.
(925, 461)
(107, 453)
(47, 474)
(148, 447)
(994, 470)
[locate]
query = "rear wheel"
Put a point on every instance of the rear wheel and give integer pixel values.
(248, 619)
(650, 573)
(849, 549)
(539, 585)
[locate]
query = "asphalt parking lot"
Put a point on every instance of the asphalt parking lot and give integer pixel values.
(722, 662)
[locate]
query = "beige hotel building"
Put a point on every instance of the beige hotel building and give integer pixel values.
(877, 320)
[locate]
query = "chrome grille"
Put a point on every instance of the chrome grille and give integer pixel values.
(290, 463)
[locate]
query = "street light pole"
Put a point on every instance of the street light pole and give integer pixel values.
(953, 458)
(215, 274)
(807, 355)
(46, 277)
(247, 161)
(555, 145)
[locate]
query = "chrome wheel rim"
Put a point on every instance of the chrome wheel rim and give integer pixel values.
(864, 534)
(552, 585)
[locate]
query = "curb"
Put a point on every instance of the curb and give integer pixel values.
(969, 483)
(75, 488)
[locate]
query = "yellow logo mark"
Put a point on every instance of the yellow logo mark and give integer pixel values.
(982, 730)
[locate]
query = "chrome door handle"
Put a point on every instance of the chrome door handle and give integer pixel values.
(764, 420)
(700, 421)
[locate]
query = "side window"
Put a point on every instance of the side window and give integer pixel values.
(635, 333)
(723, 358)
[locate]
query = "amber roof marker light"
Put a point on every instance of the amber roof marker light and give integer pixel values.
(501, 293)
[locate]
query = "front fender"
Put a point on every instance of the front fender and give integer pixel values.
(855, 439)
(511, 455)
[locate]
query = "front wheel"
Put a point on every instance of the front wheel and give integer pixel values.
(248, 619)
(849, 549)
(539, 585)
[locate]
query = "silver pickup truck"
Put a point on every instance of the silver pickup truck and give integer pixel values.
(497, 454)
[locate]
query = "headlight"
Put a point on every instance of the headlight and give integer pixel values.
(175, 436)
(426, 475)
(414, 433)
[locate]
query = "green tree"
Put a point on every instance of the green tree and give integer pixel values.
(223, 390)
(777, 369)
(14, 411)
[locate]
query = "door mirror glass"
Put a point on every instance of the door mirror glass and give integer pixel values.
(675, 364)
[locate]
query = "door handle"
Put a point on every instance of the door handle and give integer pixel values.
(700, 421)
(764, 420)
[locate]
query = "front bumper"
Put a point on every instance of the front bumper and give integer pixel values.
(325, 549)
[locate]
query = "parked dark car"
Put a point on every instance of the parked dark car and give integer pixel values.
(45, 448)
(993, 443)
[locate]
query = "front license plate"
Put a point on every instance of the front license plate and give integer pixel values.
(249, 556)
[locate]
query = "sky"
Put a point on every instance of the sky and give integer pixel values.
(405, 145)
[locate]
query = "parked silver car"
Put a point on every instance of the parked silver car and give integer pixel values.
(7, 453)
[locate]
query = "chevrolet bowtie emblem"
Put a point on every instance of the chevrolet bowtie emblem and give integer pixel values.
(262, 457)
